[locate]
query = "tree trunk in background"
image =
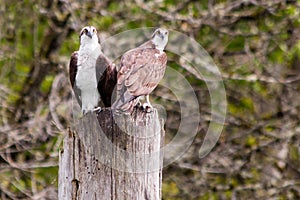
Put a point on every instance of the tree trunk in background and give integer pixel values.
(120, 159)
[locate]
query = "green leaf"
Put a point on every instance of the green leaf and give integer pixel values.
(47, 83)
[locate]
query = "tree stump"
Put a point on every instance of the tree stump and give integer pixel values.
(112, 157)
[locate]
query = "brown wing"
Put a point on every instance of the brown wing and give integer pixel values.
(72, 74)
(143, 80)
(107, 79)
(73, 67)
(140, 72)
(145, 76)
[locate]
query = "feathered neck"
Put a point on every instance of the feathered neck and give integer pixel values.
(89, 47)
(148, 44)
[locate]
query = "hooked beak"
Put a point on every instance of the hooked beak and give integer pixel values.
(89, 34)
(162, 36)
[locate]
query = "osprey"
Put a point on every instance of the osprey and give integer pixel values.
(92, 75)
(140, 71)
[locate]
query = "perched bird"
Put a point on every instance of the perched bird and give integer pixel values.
(92, 75)
(140, 71)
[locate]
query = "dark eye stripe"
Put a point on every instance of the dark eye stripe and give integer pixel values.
(84, 31)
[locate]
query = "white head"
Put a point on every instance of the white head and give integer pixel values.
(160, 38)
(89, 38)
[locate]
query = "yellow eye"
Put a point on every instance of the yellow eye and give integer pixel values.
(158, 32)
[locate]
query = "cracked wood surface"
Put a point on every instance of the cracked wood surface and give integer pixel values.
(120, 159)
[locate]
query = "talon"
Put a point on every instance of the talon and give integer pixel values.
(97, 110)
(147, 107)
(139, 104)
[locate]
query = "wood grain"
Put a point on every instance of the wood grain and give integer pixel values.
(112, 157)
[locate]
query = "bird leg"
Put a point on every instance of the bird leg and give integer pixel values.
(139, 104)
(147, 105)
(84, 112)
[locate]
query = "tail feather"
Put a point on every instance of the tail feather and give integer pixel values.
(125, 103)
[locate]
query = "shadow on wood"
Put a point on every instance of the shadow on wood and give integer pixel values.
(113, 157)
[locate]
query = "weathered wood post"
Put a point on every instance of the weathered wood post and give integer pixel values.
(112, 157)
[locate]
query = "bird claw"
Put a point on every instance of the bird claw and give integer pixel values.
(139, 104)
(97, 109)
(147, 107)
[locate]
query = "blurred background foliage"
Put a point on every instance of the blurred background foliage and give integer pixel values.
(254, 43)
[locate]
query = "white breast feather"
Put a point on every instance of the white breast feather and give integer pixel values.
(86, 79)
